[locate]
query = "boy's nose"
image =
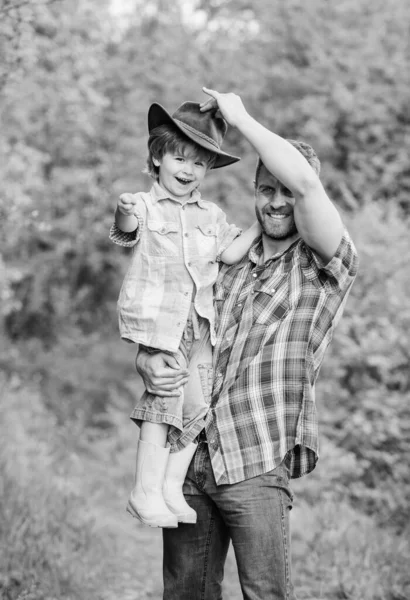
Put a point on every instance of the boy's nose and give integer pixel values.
(188, 167)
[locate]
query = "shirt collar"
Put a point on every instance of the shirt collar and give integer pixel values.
(256, 253)
(158, 193)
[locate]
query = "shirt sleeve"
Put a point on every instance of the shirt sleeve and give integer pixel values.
(127, 239)
(226, 234)
(339, 273)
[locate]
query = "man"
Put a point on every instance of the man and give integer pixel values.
(276, 312)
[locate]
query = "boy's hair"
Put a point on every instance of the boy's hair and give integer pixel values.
(164, 139)
(305, 149)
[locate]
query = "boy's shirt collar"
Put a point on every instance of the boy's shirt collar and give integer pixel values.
(158, 193)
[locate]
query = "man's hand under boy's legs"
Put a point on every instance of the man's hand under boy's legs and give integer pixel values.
(161, 373)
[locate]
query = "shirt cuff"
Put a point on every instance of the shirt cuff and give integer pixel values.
(127, 239)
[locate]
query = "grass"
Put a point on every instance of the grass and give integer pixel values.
(65, 533)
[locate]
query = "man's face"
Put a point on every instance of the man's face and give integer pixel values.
(274, 207)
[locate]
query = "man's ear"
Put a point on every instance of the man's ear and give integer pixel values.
(156, 161)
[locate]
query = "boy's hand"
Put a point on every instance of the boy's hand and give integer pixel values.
(230, 105)
(126, 204)
(161, 373)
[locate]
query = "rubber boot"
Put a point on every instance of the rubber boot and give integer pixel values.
(146, 501)
(176, 470)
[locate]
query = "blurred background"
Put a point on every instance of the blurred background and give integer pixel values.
(76, 80)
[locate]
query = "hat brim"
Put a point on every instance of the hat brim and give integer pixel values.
(157, 115)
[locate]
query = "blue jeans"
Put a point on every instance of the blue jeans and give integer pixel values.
(254, 514)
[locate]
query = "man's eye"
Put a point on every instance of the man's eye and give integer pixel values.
(287, 193)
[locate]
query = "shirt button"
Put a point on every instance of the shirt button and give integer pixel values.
(240, 304)
(186, 234)
(254, 275)
(189, 264)
(186, 293)
(273, 290)
(211, 262)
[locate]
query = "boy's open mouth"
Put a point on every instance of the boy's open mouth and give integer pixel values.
(183, 181)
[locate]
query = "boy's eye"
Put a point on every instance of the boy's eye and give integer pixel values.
(200, 163)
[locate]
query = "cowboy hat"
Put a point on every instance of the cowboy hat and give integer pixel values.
(207, 129)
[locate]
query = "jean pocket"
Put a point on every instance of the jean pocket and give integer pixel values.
(279, 478)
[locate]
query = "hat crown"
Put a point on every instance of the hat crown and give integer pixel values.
(207, 129)
(209, 123)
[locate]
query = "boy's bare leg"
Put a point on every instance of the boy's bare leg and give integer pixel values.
(155, 433)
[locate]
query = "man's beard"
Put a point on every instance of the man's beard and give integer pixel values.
(277, 230)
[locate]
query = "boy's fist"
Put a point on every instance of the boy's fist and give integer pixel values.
(126, 204)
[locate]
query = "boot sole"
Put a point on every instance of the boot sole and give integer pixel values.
(134, 514)
(186, 519)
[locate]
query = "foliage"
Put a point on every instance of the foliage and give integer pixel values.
(75, 84)
(365, 382)
(46, 534)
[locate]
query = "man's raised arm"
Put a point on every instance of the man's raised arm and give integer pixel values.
(316, 218)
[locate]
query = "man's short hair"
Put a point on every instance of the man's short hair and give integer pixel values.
(164, 139)
(305, 149)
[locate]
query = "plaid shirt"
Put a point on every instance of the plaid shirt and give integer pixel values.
(275, 323)
(176, 249)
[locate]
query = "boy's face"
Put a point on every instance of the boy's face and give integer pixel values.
(181, 172)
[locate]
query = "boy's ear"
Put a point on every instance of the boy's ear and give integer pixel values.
(156, 161)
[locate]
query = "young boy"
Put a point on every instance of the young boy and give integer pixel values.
(166, 300)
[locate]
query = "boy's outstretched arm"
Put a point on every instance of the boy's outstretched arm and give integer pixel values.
(125, 218)
(317, 219)
(240, 245)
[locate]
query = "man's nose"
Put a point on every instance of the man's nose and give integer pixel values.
(278, 200)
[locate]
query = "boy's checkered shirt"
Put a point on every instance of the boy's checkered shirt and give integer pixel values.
(275, 321)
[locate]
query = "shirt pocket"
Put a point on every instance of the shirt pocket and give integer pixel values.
(273, 313)
(271, 305)
(162, 238)
(206, 239)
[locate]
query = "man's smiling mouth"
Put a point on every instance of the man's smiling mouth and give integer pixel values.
(277, 216)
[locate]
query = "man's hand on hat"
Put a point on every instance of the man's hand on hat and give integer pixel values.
(126, 204)
(230, 105)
